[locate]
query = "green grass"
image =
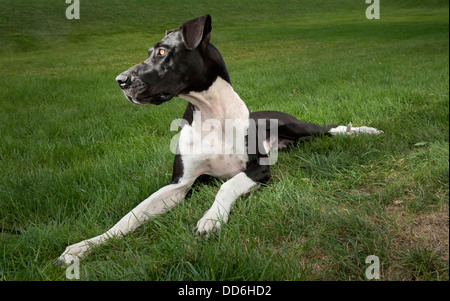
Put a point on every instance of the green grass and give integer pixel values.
(75, 155)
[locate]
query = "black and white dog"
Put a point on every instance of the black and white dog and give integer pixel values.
(219, 136)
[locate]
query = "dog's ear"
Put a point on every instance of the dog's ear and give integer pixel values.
(196, 31)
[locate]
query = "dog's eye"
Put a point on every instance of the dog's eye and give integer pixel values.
(161, 51)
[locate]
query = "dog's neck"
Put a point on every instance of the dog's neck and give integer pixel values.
(219, 102)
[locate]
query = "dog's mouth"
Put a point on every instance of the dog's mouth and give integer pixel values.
(164, 96)
(156, 99)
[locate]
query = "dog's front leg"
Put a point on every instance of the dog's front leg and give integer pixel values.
(225, 198)
(158, 203)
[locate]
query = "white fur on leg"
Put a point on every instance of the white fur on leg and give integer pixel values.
(220, 210)
(350, 130)
(158, 203)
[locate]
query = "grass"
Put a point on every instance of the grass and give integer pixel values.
(75, 155)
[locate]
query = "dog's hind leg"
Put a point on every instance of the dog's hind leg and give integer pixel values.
(159, 202)
(290, 129)
(350, 130)
(300, 129)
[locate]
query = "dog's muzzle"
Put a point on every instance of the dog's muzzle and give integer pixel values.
(136, 92)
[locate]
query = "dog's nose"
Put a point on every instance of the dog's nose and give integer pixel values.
(123, 80)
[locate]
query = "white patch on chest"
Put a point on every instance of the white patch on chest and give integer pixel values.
(214, 143)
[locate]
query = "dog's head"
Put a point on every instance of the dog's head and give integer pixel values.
(183, 61)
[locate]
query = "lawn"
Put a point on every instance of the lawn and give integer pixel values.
(75, 155)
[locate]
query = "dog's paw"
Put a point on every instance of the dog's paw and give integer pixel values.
(71, 254)
(350, 130)
(210, 223)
